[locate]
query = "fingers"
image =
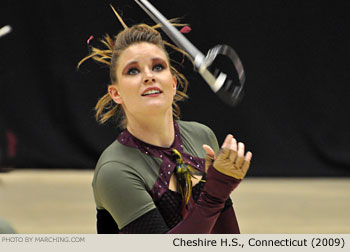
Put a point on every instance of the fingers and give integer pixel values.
(234, 144)
(210, 156)
(227, 142)
(232, 159)
(233, 155)
(230, 143)
(248, 156)
(209, 151)
(240, 155)
(245, 167)
(243, 161)
(246, 162)
(239, 162)
(240, 149)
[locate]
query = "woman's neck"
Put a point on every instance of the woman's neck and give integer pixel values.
(158, 131)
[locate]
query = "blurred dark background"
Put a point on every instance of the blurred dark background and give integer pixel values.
(294, 116)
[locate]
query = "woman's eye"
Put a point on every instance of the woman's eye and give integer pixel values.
(158, 67)
(133, 71)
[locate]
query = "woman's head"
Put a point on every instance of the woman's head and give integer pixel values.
(130, 36)
(132, 42)
(145, 85)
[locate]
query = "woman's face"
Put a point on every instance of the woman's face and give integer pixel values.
(145, 85)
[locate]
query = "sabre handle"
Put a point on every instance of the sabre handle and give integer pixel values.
(228, 90)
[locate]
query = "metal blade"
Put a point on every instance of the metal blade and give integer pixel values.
(175, 35)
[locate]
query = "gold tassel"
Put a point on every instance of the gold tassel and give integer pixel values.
(186, 172)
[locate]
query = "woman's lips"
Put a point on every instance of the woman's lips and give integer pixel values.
(152, 92)
(152, 95)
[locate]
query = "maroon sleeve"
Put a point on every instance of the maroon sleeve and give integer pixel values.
(203, 215)
(226, 223)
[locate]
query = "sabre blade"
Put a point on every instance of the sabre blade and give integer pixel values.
(223, 86)
(176, 36)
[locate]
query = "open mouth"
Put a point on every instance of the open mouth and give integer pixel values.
(152, 92)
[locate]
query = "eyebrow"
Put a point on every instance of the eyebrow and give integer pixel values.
(161, 59)
(130, 63)
(127, 65)
(135, 62)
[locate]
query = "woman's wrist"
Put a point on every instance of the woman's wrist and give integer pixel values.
(218, 185)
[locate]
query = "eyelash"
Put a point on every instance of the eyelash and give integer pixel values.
(155, 66)
(159, 65)
(132, 69)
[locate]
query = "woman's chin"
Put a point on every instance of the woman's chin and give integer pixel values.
(156, 107)
(157, 103)
(149, 107)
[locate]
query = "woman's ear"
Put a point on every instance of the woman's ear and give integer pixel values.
(114, 94)
(174, 84)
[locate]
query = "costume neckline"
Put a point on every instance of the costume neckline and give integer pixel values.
(177, 143)
(148, 144)
(168, 163)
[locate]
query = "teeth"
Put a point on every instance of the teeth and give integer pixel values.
(152, 92)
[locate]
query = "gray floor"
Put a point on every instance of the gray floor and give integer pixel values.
(61, 201)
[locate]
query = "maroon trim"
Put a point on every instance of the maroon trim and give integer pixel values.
(168, 162)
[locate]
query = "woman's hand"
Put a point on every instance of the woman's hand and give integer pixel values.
(231, 160)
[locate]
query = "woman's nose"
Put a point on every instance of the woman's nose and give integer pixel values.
(149, 80)
(148, 77)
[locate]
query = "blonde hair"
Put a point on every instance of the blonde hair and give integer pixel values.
(106, 108)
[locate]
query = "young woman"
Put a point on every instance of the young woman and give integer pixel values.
(161, 175)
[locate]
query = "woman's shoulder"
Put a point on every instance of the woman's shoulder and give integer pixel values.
(118, 155)
(195, 130)
(193, 127)
(112, 152)
(119, 160)
(197, 134)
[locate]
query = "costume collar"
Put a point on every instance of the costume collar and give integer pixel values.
(165, 154)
